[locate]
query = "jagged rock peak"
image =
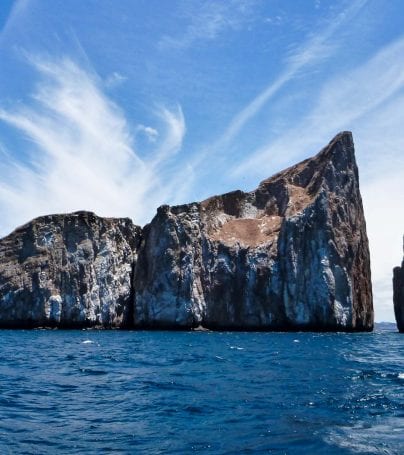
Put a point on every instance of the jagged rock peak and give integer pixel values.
(69, 270)
(292, 254)
(398, 294)
(340, 151)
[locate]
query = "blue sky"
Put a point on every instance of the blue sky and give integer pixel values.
(118, 106)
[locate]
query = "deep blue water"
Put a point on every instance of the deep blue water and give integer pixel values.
(184, 392)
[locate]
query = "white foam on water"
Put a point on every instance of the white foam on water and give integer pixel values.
(87, 342)
(237, 347)
(366, 438)
(400, 375)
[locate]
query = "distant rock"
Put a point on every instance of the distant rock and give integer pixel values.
(398, 295)
(291, 255)
(68, 271)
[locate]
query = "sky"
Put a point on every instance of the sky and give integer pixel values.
(119, 106)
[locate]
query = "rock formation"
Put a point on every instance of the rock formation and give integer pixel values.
(290, 255)
(68, 271)
(293, 254)
(398, 295)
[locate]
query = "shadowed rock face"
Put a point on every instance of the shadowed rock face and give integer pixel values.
(398, 295)
(293, 254)
(68, 271)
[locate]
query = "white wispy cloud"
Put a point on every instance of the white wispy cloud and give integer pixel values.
(317, 47)
(341, 102)
(81, 152)
(208, 20)
(150, 132)
(17, 10)
(115, 79)
(174, 134)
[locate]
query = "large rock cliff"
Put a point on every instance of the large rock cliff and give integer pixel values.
(398, 295)
(68, 271)
(292, 254)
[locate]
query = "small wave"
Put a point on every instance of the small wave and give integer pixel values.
(296, 341)
(366, 438)
(372, 374)
(87, 342)
(237, 347)
(67, 387)
(218, 357)
(92, 372)
(171, 385)
(194, 409)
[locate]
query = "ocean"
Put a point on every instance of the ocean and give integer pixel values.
(96, 392)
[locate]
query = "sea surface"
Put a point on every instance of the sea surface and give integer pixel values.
(96, 392)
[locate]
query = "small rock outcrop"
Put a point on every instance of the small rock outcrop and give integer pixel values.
(68, 271)
(291, 255)
(398, 295)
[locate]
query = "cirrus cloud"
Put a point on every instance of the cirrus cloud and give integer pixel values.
(81, 152)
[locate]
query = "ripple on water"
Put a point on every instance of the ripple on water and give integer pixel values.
(178, 392)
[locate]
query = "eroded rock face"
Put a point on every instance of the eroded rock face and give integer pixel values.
(398, 295)
(70, 270)
(293, 254)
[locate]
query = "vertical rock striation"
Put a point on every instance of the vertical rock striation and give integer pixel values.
(398, 295)
(292, 254)
(68, 271)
